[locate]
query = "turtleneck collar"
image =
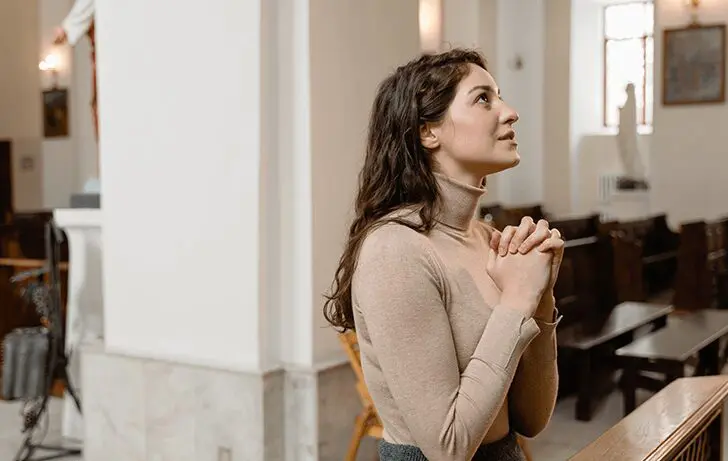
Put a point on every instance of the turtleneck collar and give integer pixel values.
(459, 201)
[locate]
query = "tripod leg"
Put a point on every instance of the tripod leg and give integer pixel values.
(66, 379)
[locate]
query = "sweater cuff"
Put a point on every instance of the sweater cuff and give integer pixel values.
(506, 336)
(543, 348)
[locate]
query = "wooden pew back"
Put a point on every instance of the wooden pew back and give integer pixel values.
(645, 257)
(585, 287)
(702, 274)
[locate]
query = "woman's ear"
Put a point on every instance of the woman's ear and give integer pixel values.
(428, 137)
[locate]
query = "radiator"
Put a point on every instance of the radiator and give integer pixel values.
(25, 358)
(607, 187)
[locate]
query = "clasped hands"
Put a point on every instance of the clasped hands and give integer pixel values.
(524, 263)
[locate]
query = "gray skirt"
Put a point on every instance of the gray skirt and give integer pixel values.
(505, 449)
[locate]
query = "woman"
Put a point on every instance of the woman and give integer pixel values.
(455, 320)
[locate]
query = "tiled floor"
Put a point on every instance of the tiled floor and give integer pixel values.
(564, 437)
(11, 439)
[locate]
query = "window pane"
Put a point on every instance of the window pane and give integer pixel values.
(628, 20)
(624, 64)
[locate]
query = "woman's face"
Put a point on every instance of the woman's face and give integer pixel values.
(476, 137)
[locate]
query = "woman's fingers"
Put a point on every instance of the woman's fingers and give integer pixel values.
(505, 240)
(554, 242)
(539, 235)
(524, 230)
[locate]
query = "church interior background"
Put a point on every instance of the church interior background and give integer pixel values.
(200, 228)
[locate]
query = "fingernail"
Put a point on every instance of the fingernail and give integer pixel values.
(512, 248)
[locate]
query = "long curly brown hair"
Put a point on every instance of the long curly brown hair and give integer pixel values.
(398, 170)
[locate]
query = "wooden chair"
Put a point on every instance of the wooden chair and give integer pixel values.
(367, 422)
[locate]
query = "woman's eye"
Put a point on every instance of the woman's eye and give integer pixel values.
(483, 98)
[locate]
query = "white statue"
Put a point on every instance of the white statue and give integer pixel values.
(629, 152)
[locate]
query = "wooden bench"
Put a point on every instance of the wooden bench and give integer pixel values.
(645, 257)
(585, 287)
(702, 266)
(594, 342)
(668, 350)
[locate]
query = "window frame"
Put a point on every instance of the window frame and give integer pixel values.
(643, 38)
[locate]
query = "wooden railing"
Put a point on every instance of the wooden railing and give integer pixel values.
(683, 422)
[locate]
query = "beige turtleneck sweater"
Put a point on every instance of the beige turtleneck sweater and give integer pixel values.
(447, 366)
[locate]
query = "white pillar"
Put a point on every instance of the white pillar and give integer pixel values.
(84, 305)
(231, 139)
(181, 159)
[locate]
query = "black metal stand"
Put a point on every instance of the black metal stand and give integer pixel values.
(57, 369)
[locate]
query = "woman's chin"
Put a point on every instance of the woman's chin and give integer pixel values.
(507, 163)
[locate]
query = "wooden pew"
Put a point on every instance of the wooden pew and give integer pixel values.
(667, 351)
(645, 257)
(702, 273)
(592, 345)
(585, 287)
(683, 422)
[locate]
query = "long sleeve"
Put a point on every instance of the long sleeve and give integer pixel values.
(532, 397)
(79, 19)
(399, 289)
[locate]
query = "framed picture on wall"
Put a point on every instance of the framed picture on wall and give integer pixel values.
(55, 113)
(693, 65)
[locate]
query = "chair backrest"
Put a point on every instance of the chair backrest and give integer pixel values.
(351, 346)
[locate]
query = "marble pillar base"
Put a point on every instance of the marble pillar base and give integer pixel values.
(85, 305)
(141, 409)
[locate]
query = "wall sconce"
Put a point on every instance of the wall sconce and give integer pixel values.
(430, 20)
(50, 64)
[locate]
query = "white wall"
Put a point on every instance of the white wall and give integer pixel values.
(689, 161)
(354, 45)
(523, 89)
(587, 102)
(461, 23)
(598, 154)
(58, 163)
(181, 138)
(59, 154)
(556, 108)
(471, 23)
(539, 33)
(20, 98)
